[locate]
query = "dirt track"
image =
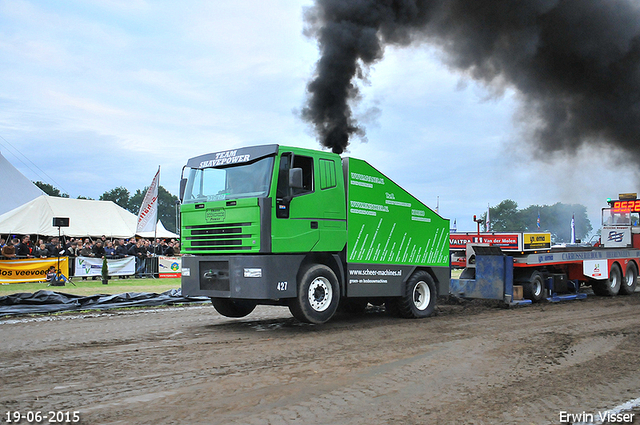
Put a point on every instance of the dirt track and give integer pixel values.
(472, 363)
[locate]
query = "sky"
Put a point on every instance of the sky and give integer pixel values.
(98, 94)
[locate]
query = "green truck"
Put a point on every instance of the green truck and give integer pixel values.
(309, 230)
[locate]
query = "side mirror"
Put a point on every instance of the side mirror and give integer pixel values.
(295, 178)
(183, 185)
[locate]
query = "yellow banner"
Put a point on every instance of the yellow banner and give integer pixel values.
(30, 270)
(537, 240)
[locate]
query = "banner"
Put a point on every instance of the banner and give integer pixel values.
(30, 270)
(86, 266)
(169, 266)
(148, 215)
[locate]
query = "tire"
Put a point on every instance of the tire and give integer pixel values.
(233, 308)
(420, 296)
(630, 280)
(533, 289)
(318, 295)
(610, 287)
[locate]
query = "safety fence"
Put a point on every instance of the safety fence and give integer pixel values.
(36, 269)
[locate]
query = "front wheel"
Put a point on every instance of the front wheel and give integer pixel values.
(419, 299)
(318, 295)
(233, 308)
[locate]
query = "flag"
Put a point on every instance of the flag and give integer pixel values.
(538, 221)
(148, 215)
(455, 226)
(488, 225)
(573, 228)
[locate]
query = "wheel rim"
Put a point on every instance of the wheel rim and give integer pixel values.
(630, 278)
(320, 294)
(421, 295)
(537, 287)
(614, 279)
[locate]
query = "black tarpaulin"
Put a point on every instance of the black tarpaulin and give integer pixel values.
(52, 302)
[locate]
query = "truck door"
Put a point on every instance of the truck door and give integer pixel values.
(295, 222)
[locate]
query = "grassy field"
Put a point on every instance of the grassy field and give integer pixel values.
(93, 287)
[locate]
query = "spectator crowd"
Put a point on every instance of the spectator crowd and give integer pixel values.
(16, 247)
(23, 247)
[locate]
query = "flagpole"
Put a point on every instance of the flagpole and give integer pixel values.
(155, 227)
(488, 224)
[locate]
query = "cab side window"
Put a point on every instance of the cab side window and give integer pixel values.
(306, 163)
(285, 193)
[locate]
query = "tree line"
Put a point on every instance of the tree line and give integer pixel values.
(504, 217)
(130, 202)
(555, 219)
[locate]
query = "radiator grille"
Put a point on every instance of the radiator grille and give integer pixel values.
(220, 237)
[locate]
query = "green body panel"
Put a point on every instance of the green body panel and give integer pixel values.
(377, 221)
(387, 225)
(317, 219)
(215, 227)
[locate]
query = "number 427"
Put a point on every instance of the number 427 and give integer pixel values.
(282, 286)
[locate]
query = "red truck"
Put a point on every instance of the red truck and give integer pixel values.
(610, 267)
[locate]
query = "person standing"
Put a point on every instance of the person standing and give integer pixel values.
(41, 251)
(109, 250)
(86, 251)
(9, 250)
(72, 251)
(121, 249)
(141, 253)
(98, 249)
(25, 248)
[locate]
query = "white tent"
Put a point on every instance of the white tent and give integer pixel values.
(15, 189)
(86, 218)
(160, 233)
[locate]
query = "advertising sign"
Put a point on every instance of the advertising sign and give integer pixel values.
(30, 270)
(616, 236)
(596, 269)
(387, 225)
(86, 266)
(537, 241)
(169, 266)
(459, 241)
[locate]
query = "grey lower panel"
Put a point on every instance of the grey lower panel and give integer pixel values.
(376, 280)
(259, 277)
(443, 279)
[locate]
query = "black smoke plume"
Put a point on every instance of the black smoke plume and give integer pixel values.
(575, 64)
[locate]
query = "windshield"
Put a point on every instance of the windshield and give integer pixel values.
(618, 217)
(240, 181)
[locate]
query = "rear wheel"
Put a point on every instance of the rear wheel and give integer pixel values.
(233, 308)
(630, 279)
(534, 289)
(420, 296)
(610, 287)
(318, 295)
